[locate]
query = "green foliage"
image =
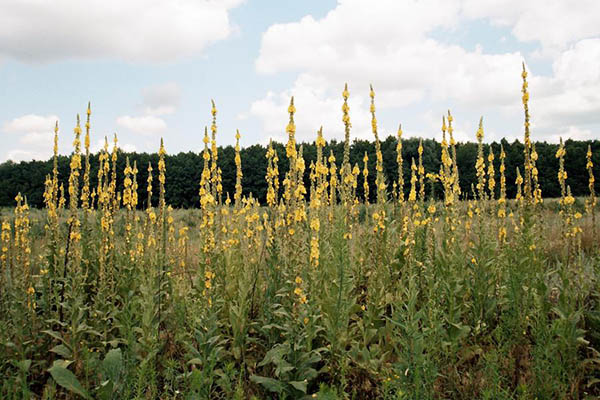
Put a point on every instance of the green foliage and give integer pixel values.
(183, 168)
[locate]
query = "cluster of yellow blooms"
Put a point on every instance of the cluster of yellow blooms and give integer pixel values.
(300, 221)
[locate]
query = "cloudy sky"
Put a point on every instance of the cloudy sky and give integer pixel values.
(151, 67)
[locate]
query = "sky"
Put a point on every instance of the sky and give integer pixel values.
(151, 67)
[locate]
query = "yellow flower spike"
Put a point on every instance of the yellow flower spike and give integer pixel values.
(400, 183)
(480, 163)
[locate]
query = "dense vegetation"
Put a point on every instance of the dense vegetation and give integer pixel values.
(313, 293)
(28, 177)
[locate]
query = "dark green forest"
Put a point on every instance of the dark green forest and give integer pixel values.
(184, 169)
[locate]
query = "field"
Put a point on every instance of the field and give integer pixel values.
(315, 294)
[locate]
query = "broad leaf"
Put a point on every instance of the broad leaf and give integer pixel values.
(67, 379)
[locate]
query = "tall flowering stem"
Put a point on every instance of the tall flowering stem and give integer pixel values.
(480, 163)
(445, 174)
(321, 170)
(590, 203)
(519, 184)
(421, 171)
(528, 187)
(366, 178)
(412, 194)
(455, 176)
(537, 191)
(491, 174)
(272, 176)
(346, 170)
(85, 190)
(502, 198)
(400, 185)
(215, 172)
(75, 165)
(238, 175)
(379, 178)
(332, 184)
(207, 206)
(562, 174)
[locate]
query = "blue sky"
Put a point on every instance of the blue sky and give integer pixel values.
(151, 68)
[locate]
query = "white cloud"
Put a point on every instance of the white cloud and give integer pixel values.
(388, 43)
(35, 133)
(133, 30)
(571, 96)
(31, 123)
(554, 23)
(161, 99)
(315, 107)
(99, 145)
(27, 155)
(145, 125)
(128, 147)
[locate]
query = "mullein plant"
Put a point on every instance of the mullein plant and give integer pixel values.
(346, 169)
(570, 229)
(85, 190)
(455, 175)
(321, 172)
(412, 194)
(215, 171)
(73, 220)
(5, 258)
(365, 173)
(527, 180)
(421, 172)
(238, 175)
(207, 206)
(332, 185)
(590, 202)
(330, 280)
(52, 221)
(537, 191)
(445, 174)
(379, 178)
(491, 178)
(480, 164)
(400, 184)
(272, 176)
(502, 198)
(22, 248)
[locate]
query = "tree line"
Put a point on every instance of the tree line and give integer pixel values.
(184, 169)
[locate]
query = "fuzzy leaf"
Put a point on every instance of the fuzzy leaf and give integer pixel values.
(272, 385)
(67, 379)
(62, 350)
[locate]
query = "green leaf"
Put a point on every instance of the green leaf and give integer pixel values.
(67, 379)
(113, 360)
(195, 361)
(54, 334)
(300, 385)
(62, 350)
(272, 385)
(24, 365)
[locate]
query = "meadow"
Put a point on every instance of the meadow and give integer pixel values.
(315, 293)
